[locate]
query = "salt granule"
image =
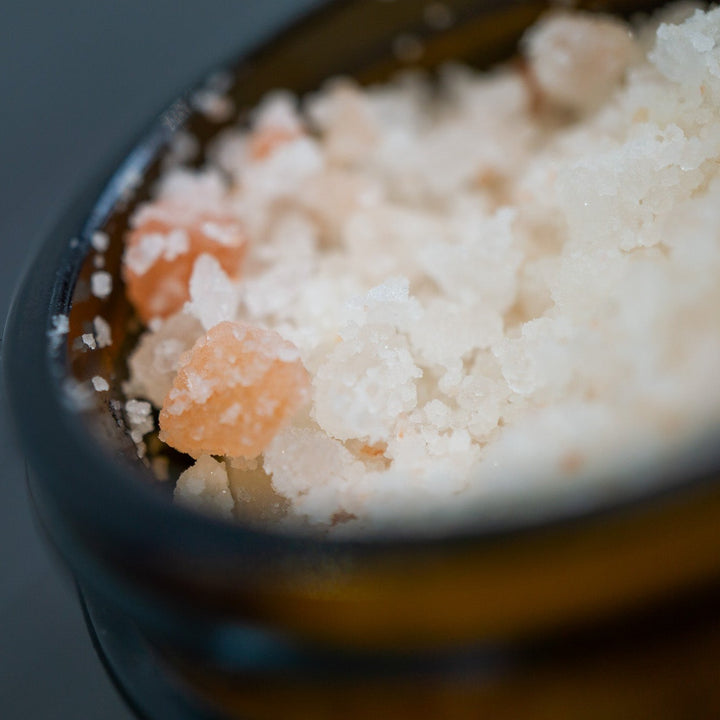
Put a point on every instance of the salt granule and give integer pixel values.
(233, 365)
(100, 241)
(101, 284)
(58, 331)
(204, 487)
(161, 251)
(100, 384)
(155, 360)
(213, 296)
(139, 417)
(214, 105)
(103, 332)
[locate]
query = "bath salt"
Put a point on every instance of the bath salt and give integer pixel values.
(191, 217)
(100, 384)
(100, 241)
(405, 303)
(140, 420)
(155, 360)
(232, 391)
(103, 332)
(204, 487)
(101, 284)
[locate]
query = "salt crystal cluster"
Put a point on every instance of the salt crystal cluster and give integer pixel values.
(447, 295)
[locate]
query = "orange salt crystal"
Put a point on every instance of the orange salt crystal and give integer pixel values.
(265, 140)
(234, 390)
(159, 259)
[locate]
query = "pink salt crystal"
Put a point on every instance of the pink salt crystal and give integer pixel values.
(234, 390)
(159, 259)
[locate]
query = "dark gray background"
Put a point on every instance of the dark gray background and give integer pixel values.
(79, 80)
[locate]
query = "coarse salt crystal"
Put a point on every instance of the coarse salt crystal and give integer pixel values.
(100, 241)
(60, 328)
(101, 283)
(103, 332)
(100, 384)
(140, 420)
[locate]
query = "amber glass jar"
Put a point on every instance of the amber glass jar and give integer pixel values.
(602, 609)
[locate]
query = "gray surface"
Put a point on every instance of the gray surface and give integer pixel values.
(78, 81)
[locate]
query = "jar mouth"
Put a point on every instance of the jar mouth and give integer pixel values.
(84, 458)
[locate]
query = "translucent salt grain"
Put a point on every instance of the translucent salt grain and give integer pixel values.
(204, 487)
(60, 324)
(100, 241)
(139, 417)
(154, 362)
(315, 472)
(100, 384)
(103, 332)
(58, 331)
(183, 148)
(89, 340)
(213, 296)
(101, 284)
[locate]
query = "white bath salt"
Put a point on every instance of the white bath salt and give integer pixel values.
(204, 487)
(154, 361)
(278, 111)
(213, 296)
(103, 332)
(213, 105)
(60, 324)
(100, 384)
(155, 246)
(184, 147)
(88, 340)
(456, 293)
(101, 284)
(78, 395)
(59, 330)
(100, 241)
(140, 420)
(314, 472)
